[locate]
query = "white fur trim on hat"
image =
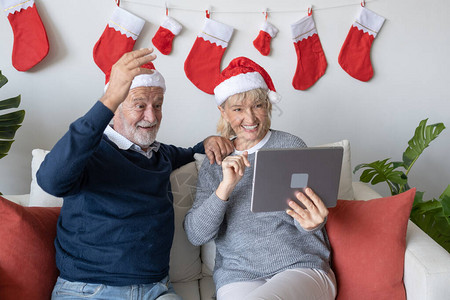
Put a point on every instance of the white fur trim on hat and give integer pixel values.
(154, 79)
(242, 83)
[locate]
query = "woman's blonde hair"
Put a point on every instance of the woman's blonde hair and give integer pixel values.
(256, 95)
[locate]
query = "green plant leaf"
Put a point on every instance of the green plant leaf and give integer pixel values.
(445, 200)
(418, 198)
(8, 132)
(13, 118)
(382, 171)
(5, 146)
(10, 103)
(3, 79)
(422, 138)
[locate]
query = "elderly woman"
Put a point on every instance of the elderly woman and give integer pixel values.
(277, 255)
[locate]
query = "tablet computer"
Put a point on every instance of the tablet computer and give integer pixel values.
(280, 173)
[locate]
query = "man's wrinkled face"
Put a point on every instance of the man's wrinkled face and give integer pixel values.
(138, 118)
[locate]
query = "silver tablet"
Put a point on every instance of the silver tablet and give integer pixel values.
(280, 173)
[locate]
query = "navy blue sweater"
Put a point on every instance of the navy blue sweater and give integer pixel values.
(117, 222)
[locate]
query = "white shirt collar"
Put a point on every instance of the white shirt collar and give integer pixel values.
(124, 144)
(257, 146)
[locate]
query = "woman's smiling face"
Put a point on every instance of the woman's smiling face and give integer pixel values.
(249, 119)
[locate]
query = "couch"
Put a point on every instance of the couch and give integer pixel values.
(374, 258)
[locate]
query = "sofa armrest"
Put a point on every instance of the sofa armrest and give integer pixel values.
(427, 267)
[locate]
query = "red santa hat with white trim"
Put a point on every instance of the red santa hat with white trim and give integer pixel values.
(154, 79)
(242, 75)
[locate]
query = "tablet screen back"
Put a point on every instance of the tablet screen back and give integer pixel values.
(280, 173)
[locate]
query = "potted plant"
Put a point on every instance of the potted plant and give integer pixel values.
(9, 122)
(432, 216)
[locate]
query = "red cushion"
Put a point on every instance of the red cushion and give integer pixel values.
(27, 254)
(368, 241)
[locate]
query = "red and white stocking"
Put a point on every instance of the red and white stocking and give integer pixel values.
(354, 57)
(266, 34)
(311, 61)
(163, 38)
(202, 65)
(118, 38)
(30, 38)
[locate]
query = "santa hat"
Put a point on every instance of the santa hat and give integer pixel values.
(242, 75)
(154, 79)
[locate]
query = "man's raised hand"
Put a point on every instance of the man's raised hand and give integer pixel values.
(122, 75)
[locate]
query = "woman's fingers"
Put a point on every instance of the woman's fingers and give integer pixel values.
(314, 212)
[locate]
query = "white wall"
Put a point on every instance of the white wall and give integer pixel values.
(411, 59)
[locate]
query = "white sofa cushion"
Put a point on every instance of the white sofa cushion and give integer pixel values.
(38, 197)
(185, 263)
(345, 184)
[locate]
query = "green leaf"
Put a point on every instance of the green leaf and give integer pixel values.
(13, 118)
(445, 201)
(422, 138)
(10, 103)
(5, 146)
(382, 171)
(3, 79)
(418, 198)
(8, 132)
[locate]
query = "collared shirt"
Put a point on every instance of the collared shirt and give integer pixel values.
(124, 144)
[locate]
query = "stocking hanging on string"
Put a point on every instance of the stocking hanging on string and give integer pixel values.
(267, 32)
(202, 66)
(354, 56)
(163, 38)
(119, 37)
(30, 38)
(311, 61)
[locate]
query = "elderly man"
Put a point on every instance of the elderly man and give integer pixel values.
(116, 225)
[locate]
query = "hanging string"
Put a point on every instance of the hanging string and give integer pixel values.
(210, 11)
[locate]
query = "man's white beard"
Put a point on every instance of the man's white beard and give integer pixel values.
(142, 138)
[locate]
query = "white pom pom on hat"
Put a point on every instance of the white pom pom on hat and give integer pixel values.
(154, 79)
(242, 75)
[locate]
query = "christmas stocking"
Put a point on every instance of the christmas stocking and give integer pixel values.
(262, 41)
(118, 38)
(164, 36)
(311, 62)
(202, 65)
(354, 57)
(30, 38)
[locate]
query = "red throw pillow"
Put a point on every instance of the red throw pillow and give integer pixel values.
(27, 253)
(368, 242)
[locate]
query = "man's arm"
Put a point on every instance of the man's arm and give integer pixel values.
(61, 173)
(122, 75)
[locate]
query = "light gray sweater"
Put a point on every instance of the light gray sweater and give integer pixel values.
(251, 245)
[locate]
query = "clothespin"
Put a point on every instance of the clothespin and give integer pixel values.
(310, 10)
(117, 2)
(363, 3)
(208, 12)
(167, 8)
(266, 14)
